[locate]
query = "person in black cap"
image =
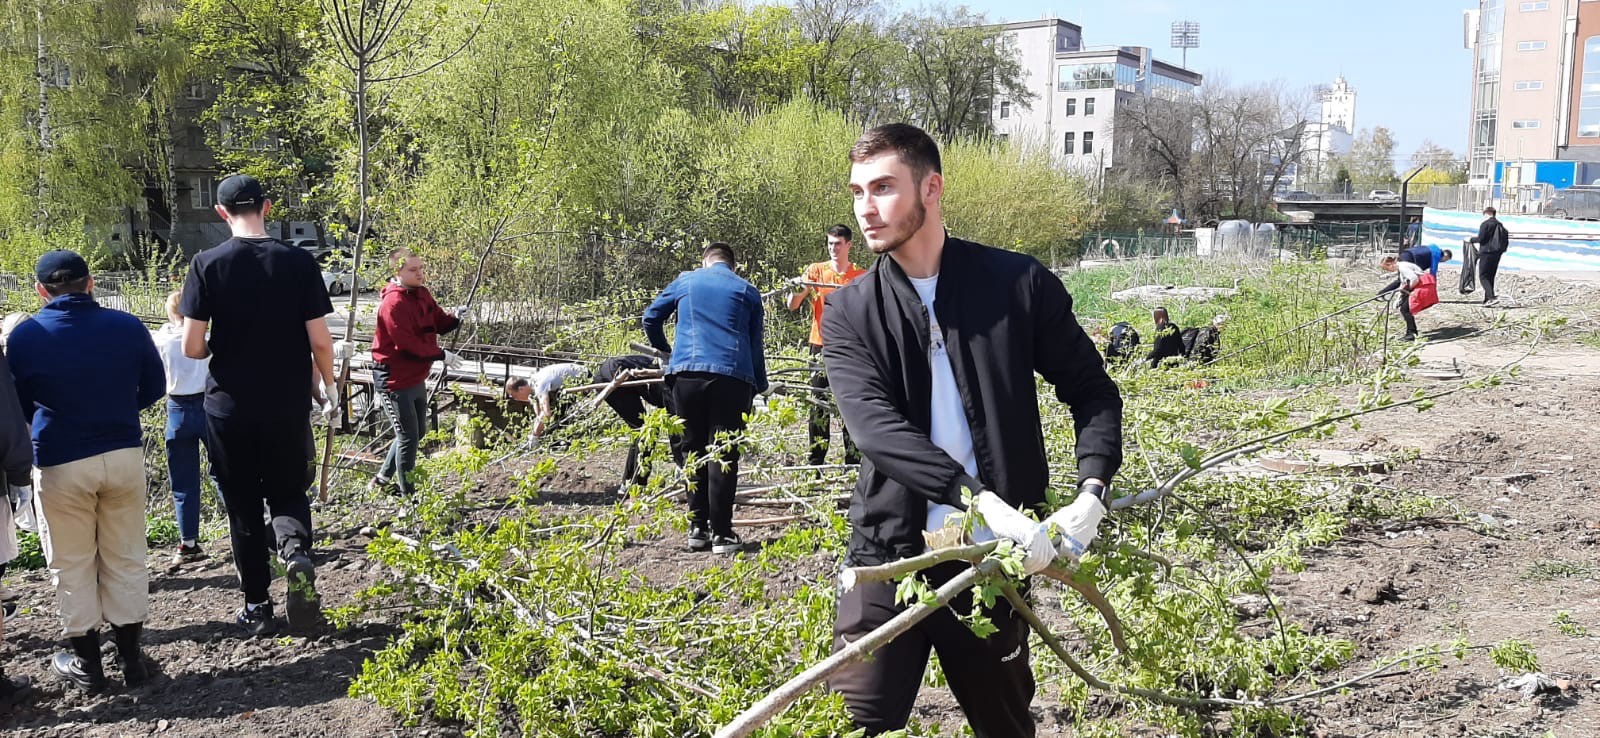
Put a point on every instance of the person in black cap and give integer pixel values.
(265, 305)
(90, 454)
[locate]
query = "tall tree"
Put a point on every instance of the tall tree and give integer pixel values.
(951, 66)
(1371, 157)
(1440, 159)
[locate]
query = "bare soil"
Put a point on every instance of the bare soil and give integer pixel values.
(1516, 542)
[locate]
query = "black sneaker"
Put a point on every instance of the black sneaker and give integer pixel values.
(699, 538)
(1409, 337)
(188, 554)
(9, 608)
(258, 620)
(728, 544)
(302, 605)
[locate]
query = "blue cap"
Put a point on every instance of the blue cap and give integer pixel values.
(60, 266)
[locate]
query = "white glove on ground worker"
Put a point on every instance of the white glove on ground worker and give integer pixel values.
(25, 519)
(452, 359)
(1009, 523)
(1075, 526)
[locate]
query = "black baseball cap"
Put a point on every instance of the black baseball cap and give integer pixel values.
(60, 266)
(240, 189)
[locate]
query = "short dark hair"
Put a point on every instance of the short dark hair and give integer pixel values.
(78, 286)
(515, 383)
(840, 230)
(1489, 210)
(1445, 255)
(398, 257)
(914, 146)
(253, 208)
(719, 251)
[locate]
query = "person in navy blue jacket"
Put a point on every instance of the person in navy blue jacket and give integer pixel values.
(716, 368)
(88, 447)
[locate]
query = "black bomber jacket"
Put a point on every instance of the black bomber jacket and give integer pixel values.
(1004, 317)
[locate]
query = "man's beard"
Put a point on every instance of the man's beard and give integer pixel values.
(913, 224)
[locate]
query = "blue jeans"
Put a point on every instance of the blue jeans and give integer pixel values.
(186, 428)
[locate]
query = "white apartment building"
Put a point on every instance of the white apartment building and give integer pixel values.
(1077, 91)
(1331, 135)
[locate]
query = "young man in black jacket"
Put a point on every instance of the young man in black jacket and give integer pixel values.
(1492, 240)
(932, 356)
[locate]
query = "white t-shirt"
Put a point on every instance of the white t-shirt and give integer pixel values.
(550, 378)
(185, 376)
(950, 431)
(1409, 273)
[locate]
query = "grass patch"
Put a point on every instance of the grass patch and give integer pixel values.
(1546, 570)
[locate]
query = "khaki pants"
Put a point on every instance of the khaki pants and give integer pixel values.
(94, 539)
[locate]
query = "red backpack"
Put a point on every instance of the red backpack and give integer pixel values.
(1424, 294)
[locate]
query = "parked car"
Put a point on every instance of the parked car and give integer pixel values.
(340, 281)
(1575, 203)
(1382, 195)
(1297, 196)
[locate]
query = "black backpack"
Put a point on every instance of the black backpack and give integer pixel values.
(1124, 341)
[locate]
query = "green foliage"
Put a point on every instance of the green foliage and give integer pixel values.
(1568, 626)
(30, 554)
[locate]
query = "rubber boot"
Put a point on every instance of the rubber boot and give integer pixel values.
(135, 669)
(82, 665)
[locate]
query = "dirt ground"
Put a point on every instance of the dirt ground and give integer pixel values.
(1510, 464)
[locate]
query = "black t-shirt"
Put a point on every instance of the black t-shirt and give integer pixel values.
(258, 294)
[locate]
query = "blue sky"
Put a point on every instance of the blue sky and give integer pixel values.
(1404, 57)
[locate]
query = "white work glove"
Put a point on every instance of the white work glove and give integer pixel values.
(758, 405)
(1075, 526)
(1009, 523)
(795, 281)
(463, 312)
(23, 497)
(452, 359)
(343, 350)
(326, 408)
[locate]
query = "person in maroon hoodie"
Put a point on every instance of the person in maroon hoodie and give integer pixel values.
(404, 345)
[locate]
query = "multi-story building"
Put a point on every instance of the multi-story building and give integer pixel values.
(1077, 91)
(1330, 135)
(1535, 86)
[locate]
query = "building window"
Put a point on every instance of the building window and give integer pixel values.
(1072, 106)
(1528, 84)
(1005, 109)
(1088, 106)
(195, 90)
(203, 192)
(1067, 141)
(1524, 124)
(1531, 7)
(1589, 96)
(1530, 46)
(1088, 142)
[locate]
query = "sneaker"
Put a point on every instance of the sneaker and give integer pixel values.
(1409, 337)
(9, 608)
(188, 554)
(303, 606)
(728, 544)
(699, 538)
(258, 620)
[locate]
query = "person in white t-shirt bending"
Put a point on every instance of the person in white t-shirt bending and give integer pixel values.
(186, 428)
(545, 389)
(1409, 273)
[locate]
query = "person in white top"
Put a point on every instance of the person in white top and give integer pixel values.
(1409, 274)
(186, 427)
(544, 388)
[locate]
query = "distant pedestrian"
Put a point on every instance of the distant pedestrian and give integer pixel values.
(837, 270)
(717, 367)
(85, 372)
(1168, 339)
(1493, 239)
(186, 429)
(265, 305)
(405, 343)
(16, 458)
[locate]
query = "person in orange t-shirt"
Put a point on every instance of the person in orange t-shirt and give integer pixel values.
(838, 270)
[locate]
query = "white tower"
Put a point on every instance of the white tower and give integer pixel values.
(1339, 105)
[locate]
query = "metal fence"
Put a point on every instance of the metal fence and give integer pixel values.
(1523, 199)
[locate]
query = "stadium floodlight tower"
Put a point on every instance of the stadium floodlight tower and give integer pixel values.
(1186, 36)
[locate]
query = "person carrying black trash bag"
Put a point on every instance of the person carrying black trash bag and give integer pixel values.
(932, 357)
(266, 307)
(1492, 241)
(85, 372)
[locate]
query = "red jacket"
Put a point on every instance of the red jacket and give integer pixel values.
(406, 340)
